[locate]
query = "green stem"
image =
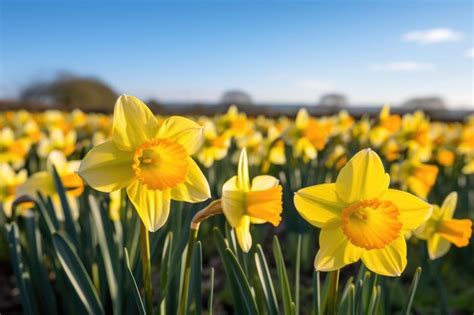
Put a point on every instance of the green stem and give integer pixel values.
(183, 304)
(146, 264)
(331, 308)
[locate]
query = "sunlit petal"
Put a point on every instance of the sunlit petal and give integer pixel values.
(106, 168)
(242, 231)
(318, 204)
(413, 210)
(134, 123)
(388, 261)
(153, 206)
(363, 177)
(335, 251)
(184, 131)
(195, 188)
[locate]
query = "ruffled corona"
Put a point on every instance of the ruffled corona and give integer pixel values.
(265, 204)
(456, 231)
(371, 224)
(160, 164)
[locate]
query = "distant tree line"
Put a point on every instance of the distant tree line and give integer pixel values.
(71, 92)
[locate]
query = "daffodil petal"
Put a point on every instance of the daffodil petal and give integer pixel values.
(449, 205)
(233, 202)
(388, 261)
(263, 182)
(318, 204)
(184, 131)
(437, 246)
(242, 231)
(106, 168)
(335, 251)
(134, 123)
(362, 178)
(243, 179)
(153, 206)
(195, 188)
(302, 118)
(413, 211)
(41, 181)
(58, 160)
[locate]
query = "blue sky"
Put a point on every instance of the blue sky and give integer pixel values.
(277, 51)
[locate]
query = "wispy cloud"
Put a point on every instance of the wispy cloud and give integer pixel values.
(470, 53)
(403, 66)
(433, 36)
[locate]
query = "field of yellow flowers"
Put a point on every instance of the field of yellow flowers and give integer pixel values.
(137, 213)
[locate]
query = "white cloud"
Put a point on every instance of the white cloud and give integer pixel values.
(433, 36)
(470, 53)
(403, 66)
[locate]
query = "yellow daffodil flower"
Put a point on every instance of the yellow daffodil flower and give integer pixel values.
(442, 230)
(9, 181)
(57, 140)
(12, 150)
(361, 218)
(445, 157)
(311, 135)
(215, 146)
(244, 203)
(44, 182)
(153, 162)
(417, 177)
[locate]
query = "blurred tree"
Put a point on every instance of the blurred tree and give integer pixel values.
(236, 97)
(71, 92)
(333, 100)
(425, 103)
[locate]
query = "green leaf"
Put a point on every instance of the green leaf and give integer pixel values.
(105, 235)
(234, 287)
(413, 287)
(266, 281)
(39, 273)
(135, 290)
(77, 275)
(316, 293)
(166, 263)
(68, 218)
(297, 275)
(211, 293)
(283, 277)
(21, 274)
(244, 287)
(195, 290)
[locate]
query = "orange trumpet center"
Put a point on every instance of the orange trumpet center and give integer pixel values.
(371, 224)
(160, 164)
(265, 204)
(456, 231)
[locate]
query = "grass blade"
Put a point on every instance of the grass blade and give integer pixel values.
(282, 275)
(135, 290)
(22, 276)
(242, 282)
(266, 281)
(297, 275)
(77, 275)
(68, 218)
(411, 294)
(104, 232)
(211, 294)
(39, 273)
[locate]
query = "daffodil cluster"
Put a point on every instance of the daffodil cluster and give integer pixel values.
(157, 159)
